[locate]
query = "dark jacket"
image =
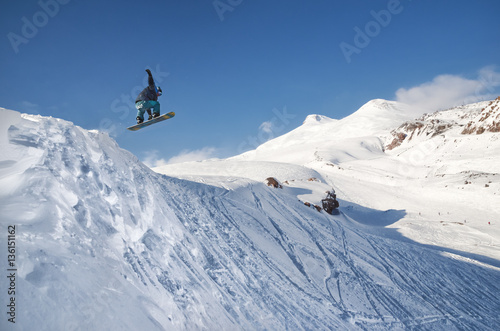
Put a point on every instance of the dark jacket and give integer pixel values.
(149, 93)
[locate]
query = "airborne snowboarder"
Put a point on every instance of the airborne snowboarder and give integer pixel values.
(148, 99)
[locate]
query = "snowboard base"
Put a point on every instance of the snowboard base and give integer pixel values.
(152, 121)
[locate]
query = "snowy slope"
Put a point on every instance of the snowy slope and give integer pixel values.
(104, 243)
(379, 157)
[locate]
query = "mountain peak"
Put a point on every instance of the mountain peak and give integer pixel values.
(381, 103)
(379, 107)
(315, 119)
(374, 117)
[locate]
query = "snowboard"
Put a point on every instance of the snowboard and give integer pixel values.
(152, 121)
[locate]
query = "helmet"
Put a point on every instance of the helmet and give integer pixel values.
(158, 91)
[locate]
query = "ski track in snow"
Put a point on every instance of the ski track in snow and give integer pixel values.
(104, 243)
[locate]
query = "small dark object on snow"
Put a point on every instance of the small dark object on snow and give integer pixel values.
(271, 181)
(330, 203)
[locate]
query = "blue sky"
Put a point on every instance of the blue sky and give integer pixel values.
(238, 72)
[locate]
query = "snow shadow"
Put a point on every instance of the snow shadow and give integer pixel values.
(383, 218)
(296, 191)
(369, 216)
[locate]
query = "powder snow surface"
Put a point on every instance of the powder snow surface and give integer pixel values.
(105, 243)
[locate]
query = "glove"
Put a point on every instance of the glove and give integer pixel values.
(148, 71)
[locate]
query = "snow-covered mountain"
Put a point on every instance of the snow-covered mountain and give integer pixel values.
(381, 158)
(102, 242)
(353, 137)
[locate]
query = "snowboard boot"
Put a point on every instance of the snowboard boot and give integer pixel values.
(155, 115)
(139, 120)
(150, 117)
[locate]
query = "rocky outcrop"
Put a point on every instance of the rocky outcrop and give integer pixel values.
(466, 119)
(488, 120)
(399, 137)
(273, 182)
(424, 126)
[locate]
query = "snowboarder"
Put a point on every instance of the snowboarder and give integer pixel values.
(148, 99)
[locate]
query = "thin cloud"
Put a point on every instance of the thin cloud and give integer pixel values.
(154, 160)
(266, 127)
(446, 91)
(195, 155)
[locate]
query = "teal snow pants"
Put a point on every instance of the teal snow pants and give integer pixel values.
(142, 106)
